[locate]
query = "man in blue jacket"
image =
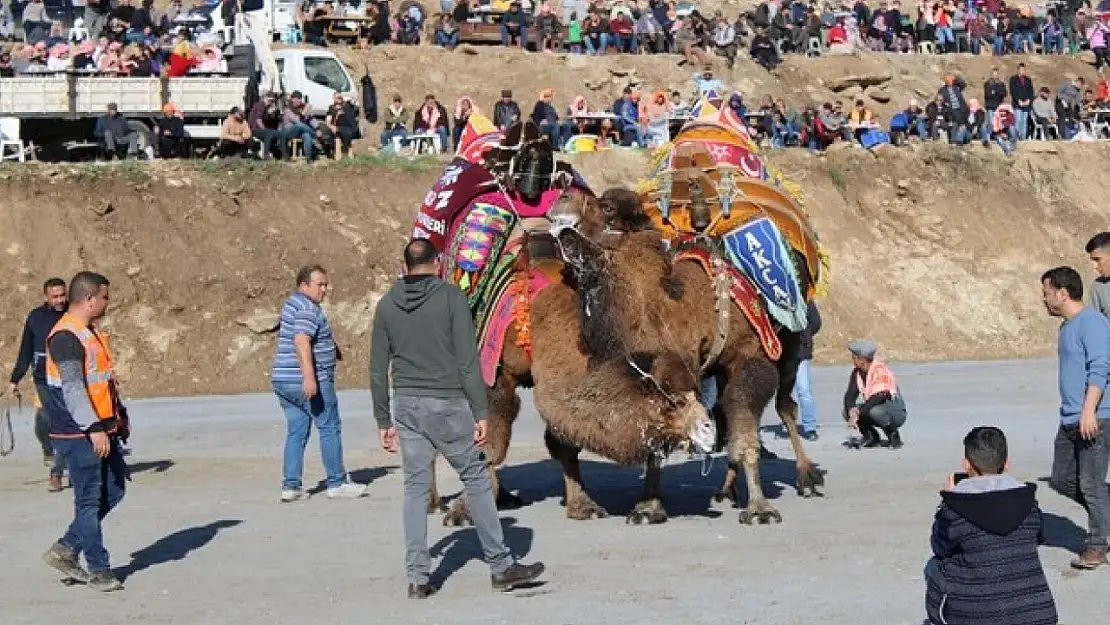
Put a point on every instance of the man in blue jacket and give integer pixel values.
(1082, 448)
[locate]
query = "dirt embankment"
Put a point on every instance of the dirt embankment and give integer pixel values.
(935, 251)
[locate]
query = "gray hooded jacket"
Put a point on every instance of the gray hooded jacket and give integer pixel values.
(424, 332)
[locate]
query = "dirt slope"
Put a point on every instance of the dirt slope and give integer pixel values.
(936, 252)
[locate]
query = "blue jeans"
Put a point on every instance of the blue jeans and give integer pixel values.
(447, 41)
(303, 132)
(387, 137)
(507, 37)
(1021, 122)
(299, 415)
(803, 391)
(603, 44)
(98, 486)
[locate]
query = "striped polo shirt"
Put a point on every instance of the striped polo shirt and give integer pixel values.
(301, 315)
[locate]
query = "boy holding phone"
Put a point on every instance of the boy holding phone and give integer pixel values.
(985, 566)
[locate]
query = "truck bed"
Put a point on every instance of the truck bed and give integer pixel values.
(73, 96)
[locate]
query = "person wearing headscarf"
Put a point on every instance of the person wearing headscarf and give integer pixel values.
(83, 58)
(546, 118)
(59, 60)
(873, 399)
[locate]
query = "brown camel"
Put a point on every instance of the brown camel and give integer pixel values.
(615, 253)
(632, 408)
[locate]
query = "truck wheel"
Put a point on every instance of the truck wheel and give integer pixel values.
(143, 131)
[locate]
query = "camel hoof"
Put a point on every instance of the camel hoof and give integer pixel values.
(586, 511)
(458, 516)
(508, 501)
(724, 494)
(651, 512)
(809, 478)
(762, 517)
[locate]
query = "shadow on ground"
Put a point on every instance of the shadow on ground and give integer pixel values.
(462, 546)
(359, 476)
(174, 547)
(688, 486)
(153, 466)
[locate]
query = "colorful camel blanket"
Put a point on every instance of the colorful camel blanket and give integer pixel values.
(513, 305)
(758, 249)
(746, 297)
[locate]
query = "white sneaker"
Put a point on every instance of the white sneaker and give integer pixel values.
(293, 494)
(347, 490)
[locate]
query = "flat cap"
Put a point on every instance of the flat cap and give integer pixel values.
(864, 348)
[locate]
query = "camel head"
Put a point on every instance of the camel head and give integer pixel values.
(686, 421)
(584, 225)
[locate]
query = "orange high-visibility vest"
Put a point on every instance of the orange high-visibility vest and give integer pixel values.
(99, 380)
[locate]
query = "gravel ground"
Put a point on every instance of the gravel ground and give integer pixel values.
(201, 537)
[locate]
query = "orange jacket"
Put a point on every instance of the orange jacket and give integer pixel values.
(99, 376)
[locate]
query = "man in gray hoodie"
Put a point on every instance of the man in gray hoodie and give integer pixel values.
(424, 332)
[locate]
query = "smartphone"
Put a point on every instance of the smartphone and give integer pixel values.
(958, 477)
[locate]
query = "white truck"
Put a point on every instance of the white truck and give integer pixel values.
(57, 113)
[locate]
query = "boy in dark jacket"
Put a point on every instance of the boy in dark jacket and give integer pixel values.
(985, 569)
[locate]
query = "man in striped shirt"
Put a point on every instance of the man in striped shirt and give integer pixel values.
(303, 379)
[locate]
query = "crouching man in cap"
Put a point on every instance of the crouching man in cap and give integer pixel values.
(872, 399)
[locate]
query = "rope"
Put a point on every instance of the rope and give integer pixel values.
(7, 434)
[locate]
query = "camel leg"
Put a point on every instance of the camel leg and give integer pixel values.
(650, 507)
(745, 398)
(579, 504)
(435, 502)
(808, 477)
(504, 406)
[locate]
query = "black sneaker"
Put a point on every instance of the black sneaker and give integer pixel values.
(516, 575)
(65, 561)
(104, 581)
(894, 438)
(810, 435)
(421, 591)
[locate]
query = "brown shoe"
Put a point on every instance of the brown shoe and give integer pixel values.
(1089, 559)
(55, 484)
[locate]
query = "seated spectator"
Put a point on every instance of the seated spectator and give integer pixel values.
(59, 60)
(506, 112)
(296, 123)
(447, 32)
(1052, 34)
(649, 33)
(342, 123)
(860, 119)
(395, 124)
(1004, 128)
(724, 38)
(1044, 114)
(464, 108)
(873, 399)
(549, 32)
(7, 23)
(169, 133)
(597, 35)
(6, 69)
(114, 135)
(211, 60)
(546, 118)
(985, 566)
(514, 25)
(36, 23)
(1097, 36)
(833, 125)
(763, 50)
(622, 32)
(83, 60)
(937, 117)
(432, 118)
(909, 122)
(973, 126)
(687, 42)
(264, 120)
(627, 110)
(235, 135)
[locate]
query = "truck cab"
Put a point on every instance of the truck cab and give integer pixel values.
(317, 74)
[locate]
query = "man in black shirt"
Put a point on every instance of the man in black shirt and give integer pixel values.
(32, 353)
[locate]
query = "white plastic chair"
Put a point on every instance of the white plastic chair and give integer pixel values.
(9, 138)
(815, 48)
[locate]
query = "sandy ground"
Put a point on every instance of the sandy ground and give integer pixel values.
(201, 537)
